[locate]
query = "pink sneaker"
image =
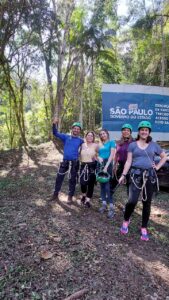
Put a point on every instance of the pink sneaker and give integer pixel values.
(124, 227)
(144, 234)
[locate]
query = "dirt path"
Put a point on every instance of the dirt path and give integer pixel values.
(50, 251)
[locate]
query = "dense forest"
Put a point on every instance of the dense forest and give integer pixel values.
(55, 55)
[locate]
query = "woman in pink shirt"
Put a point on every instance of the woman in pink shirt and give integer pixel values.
(121, 155)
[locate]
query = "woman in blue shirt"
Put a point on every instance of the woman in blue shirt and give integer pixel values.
(106, 154)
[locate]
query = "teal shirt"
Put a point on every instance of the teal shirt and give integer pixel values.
(105, 149)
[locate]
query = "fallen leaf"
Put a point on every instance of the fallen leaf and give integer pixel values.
(41, 179)
(22, 224)
(46, 255)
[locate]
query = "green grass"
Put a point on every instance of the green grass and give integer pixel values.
(7, 184)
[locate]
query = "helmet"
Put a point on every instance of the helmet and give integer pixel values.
(77, 124)
(102, 177)
(145, 124)
(128, 126)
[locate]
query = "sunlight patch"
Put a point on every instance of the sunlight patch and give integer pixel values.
(159, 215)
(62, 263)
(40, 202)
(155, 267)
(4, 173)
(158, 211)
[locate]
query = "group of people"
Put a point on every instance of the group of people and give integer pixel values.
(130, 161)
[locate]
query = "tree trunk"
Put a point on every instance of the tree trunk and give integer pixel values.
(163, 54)
(91, 123)
(62, 45)
(92, 96)
(21, 129)
(18, 109)
(47, 117)
(50, 86)
(9, 124)
(82, 81)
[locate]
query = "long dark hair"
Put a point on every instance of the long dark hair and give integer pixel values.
(122, 140)
(148, 140)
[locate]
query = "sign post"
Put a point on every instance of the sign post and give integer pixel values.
(134, 103)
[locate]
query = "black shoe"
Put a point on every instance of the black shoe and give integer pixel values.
(83, 199)
(54, 197)
(70, 200)
(87, 204)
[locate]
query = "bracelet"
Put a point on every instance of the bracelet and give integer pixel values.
(124, 175)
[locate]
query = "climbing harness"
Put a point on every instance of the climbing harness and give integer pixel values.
(89, 168)
(143, 187)
(142, 177)
(145, 175)
(120, 173)
(156, 180)
(85, 173)
(63, 172)
(68, 170)
(115, 173)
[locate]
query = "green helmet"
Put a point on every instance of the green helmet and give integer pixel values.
(145, 124)
(128, 126)
(102, 177)
(77, 124)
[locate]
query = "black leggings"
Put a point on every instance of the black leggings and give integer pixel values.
(134, 193)
(87, 181)
(89, 187)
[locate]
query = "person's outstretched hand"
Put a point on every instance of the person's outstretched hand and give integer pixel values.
(55, 120)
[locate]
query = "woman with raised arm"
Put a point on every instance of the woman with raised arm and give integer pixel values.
(143, 178)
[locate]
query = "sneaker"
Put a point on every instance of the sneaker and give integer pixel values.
(83, 199)
(124, 227)
(69, 200)
(54, 197)
(103, 208)
(144, 234)
(110, 214)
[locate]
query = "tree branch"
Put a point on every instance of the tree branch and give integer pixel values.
(77, 295)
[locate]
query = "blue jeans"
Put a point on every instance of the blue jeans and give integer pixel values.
(106, 194)
(106, 191)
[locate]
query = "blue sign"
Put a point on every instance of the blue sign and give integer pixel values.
(132, 104)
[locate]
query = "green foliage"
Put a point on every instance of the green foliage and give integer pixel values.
(72, 43)
(77, 26)
(148, 44)
(109, 66)
(145, 23)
